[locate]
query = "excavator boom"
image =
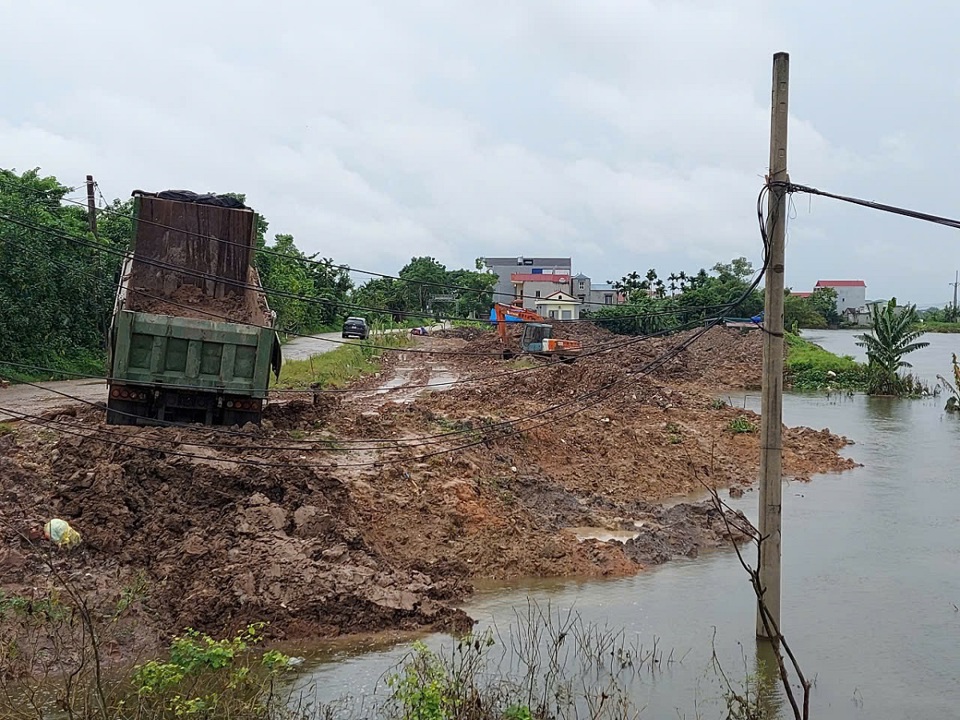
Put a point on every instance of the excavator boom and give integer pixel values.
(536, 337)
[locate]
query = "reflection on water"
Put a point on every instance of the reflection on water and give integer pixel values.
(871, 583)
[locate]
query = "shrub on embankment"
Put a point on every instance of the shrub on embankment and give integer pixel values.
(809, 367)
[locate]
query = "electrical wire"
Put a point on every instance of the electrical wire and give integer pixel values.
(790, 187)
(595, 394)
(309, 260)
(226, 431)
(175, 268)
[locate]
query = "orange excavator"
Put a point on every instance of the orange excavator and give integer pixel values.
(536, 338)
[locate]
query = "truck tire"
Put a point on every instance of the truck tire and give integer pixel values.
(240, 418)
(125, 412)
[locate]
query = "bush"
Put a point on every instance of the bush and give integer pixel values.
(810, 367)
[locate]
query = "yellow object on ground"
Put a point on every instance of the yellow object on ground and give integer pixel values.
(60, 532)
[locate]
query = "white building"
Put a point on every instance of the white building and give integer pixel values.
(851, 294)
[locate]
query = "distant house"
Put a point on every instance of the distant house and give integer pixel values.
(532, 287)
(594, 294)
(559, 306)
(801, 294)
(851, 294)
(505, 267)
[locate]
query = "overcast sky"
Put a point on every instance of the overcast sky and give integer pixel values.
(627, 134)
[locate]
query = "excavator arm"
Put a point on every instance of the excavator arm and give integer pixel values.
(503, 310)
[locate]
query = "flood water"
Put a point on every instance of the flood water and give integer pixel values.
(871, 576)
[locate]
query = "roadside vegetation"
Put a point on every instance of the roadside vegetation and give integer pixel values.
(655, 304)
(809, 367)
(336, 368)
(893, 334)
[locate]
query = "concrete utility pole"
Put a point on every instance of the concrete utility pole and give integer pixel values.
(771, 420)
(91, 206)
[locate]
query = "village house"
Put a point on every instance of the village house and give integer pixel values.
(851, 294)
(558, 306)
(533, 279)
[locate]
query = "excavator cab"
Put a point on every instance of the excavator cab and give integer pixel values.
(537, 338)
(534, 335)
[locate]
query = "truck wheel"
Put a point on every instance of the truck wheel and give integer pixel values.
(240, 418)
(124, 412)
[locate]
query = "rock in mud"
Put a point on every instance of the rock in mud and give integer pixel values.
(684, 530)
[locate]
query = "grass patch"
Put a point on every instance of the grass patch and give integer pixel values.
(83, 364)
(741, 425)
(940, 327)
(809, 367)
(6, 429)
(342, 366)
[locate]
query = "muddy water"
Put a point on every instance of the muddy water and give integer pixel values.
(871, 578)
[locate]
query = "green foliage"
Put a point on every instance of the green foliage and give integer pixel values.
(946, 316)
(426, 288)
(718, 404)
(56, 305)
(204, 677)
(654, 305)
(893, 336)
(824, 302)
(336, 368)
(800, 312)
(809, 367)
(741, 425)
(953, 402)
(323, 287)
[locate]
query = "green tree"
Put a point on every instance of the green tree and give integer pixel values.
(894, 335)
(800, 312)
(824, 301)
(423, 279)
(477, 301)
(56, 293)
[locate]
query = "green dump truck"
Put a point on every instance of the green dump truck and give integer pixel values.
(192, 336)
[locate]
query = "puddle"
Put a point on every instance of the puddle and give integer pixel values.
(603, 534)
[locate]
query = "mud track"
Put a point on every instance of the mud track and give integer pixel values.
(375, 509)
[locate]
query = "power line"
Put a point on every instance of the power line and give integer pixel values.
(191, 427)
(906, 212)
(176, 268)
(310, 260)
(595, 396)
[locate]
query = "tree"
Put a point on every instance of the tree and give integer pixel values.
(894, 335)
(477, 301)
(824, 301)
(423, 279)
(799, 312)
(56, 287)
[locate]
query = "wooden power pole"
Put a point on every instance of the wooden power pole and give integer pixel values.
(91, 206)
(771, 420)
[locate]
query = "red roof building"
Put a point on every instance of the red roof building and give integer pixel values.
(801, 294)
(840, 283)
(540, 278)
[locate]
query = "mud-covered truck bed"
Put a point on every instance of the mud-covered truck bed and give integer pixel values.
(192, 336)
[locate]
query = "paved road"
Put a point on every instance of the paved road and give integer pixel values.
(302, 348)
(37, 400)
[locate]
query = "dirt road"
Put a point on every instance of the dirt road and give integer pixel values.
(49, 395)
(377, 508)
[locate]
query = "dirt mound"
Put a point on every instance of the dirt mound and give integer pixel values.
(462, 333)
(301, 414)
(219, 544)
(189, 301)
(683, 530)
